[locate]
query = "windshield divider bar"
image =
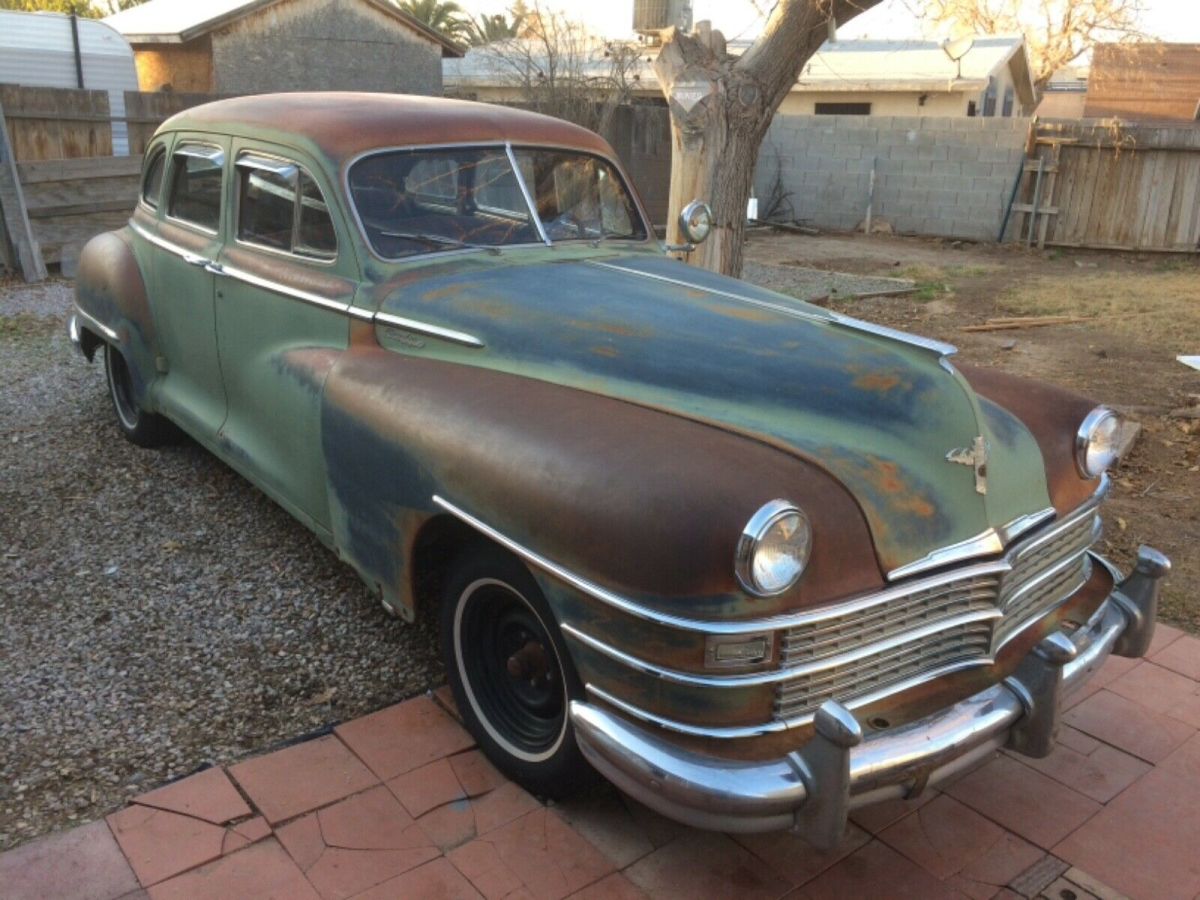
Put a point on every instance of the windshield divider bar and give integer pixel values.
(533, 213)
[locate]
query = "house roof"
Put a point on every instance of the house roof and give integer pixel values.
(340, 125)
(179, 21)
(851, 65)
(1144, 81)
(870, 65)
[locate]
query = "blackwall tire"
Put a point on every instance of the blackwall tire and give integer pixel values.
(139, 427)
(510, 673)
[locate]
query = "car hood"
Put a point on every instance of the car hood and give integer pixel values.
(878, 412)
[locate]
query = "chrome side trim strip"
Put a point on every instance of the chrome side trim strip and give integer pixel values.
(448, 334)
(158, 241)
(777, 676)
(276, 287)
(939, 347)
(533, 213)
(751, 626)
(792, 311)
(97, 324)
(711, 626)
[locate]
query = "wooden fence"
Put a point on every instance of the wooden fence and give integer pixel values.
(59, 182)
(1116, 187)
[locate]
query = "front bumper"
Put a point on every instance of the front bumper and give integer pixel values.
(813, 790)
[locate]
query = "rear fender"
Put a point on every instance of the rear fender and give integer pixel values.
(110, 293)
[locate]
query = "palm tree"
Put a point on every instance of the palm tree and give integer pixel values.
(496, 27)
(445, 16)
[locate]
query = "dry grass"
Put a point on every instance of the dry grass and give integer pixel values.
(1159, 307)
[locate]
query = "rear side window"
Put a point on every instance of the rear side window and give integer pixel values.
(280, 207)
(153, 176)
(196, 185)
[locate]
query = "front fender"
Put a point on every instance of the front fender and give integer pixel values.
(635, 499)
(110, 291)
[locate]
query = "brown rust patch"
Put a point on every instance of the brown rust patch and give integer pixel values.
(885, 477)
(606, 350)
(877, 382)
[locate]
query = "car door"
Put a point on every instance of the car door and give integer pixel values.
(188, 238)
(286, 283)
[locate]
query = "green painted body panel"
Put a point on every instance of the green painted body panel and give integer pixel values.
(879, 414)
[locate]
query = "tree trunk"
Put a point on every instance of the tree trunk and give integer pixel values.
(721, 107)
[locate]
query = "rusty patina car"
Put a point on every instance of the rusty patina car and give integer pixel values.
(756, 562)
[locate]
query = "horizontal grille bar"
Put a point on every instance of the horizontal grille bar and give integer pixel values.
(1043, 571)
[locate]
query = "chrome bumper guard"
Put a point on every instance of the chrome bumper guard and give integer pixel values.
(813, 790)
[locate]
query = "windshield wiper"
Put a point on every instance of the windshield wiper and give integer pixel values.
(439, 239)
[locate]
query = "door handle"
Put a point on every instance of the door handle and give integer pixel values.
(214, 268)
(193, 260)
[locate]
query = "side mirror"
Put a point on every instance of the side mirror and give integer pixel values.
(695, 221)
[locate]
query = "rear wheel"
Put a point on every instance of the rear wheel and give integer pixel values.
(510, 673)
(140, 427)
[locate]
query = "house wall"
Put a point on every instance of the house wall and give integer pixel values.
(1149, 81)
(883, 103)
(949, 177)
(185, 68)
(306, 45)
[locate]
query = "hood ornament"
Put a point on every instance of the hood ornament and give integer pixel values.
(975, 456)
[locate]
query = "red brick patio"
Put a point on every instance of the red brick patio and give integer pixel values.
(398, 804)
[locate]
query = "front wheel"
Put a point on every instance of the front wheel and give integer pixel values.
(139, 427)
(510, 673)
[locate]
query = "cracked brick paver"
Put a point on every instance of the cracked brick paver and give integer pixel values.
(401, 804)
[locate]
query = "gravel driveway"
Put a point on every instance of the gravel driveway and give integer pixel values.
(159, 613)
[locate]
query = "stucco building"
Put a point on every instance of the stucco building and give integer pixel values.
(991, 77)
(260, 46)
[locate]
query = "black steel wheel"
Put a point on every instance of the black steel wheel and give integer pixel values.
(139, 427)
(510, 673)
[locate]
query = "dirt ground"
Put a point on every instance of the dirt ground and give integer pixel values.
(1144, 310)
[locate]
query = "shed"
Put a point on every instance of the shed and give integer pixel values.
(39, 50)
(264, 46)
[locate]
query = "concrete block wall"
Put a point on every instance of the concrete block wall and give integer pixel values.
(938, 176)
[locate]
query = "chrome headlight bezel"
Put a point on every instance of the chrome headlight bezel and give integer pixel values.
(768, 516)
(1101, 424)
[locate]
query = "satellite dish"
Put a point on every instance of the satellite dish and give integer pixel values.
(958, 48)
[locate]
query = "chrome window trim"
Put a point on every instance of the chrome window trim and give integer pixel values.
(507, 146)
(252, 159)
(792, 673)
(449, 334)
(794, 312)
(750, 626)
(160, 146)
(525, 192)
(215, 154)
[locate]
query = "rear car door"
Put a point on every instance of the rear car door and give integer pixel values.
(188, 237)
(287, 279)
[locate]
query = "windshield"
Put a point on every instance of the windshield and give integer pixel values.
(423, 201)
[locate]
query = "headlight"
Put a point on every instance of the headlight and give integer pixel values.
(773, 549)
(1096, 442)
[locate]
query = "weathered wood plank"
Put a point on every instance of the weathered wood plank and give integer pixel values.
(12, 207)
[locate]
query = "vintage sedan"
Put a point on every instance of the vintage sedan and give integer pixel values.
(756, 562)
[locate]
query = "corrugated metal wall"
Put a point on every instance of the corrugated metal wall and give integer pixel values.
(36, 49)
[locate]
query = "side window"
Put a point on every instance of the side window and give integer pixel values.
(196, 185)
(281, 207)
(152, 176)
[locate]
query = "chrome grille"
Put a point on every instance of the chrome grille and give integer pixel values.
(856, 649)
(957, 644)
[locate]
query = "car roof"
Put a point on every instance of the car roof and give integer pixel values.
(340, 126)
